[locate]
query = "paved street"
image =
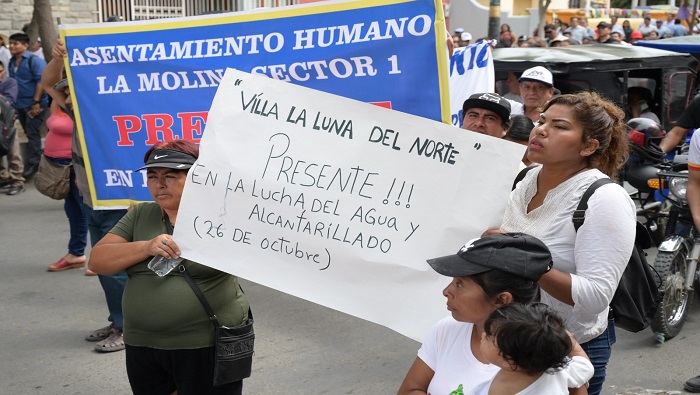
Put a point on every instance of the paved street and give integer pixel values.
(301, 348)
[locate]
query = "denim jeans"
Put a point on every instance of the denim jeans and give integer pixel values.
(32, 128)
(100, 222)
(599, 351)
(77, 219)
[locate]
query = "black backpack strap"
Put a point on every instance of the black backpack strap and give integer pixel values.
(580, 212)
(521, 175)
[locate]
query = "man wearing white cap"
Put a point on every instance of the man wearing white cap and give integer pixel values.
(536, 88)
(465, 39)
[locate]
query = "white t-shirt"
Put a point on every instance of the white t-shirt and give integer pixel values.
(694, 152)
(447, 351)
(595, 256)
(574, 375)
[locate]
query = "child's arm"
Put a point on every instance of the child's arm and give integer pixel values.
(579, 369)
(576, 351)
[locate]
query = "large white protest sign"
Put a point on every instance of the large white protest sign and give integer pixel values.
(338, 201)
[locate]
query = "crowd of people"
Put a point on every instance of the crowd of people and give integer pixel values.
(577, 31)
(529, 301)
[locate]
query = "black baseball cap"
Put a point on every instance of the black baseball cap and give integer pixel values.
(170, 159)
(515, 253)
(489, 101)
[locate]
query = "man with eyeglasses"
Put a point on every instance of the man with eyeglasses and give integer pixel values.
(550, 33)
(536, 88)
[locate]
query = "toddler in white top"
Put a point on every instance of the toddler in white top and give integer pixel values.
(536, 354)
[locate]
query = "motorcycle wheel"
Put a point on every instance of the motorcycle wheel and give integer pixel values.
(673, 309)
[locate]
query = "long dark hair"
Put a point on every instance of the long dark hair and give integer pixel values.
(531, 337)
(494, 282)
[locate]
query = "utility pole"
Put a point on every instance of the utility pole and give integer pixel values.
(494, 18)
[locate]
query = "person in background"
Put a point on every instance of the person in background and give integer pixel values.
(5, 54)
(506, 39)
(486, 113)
(670, 21)
(536, 354)
(465, 39)
(486, 273)
(577, 31)
(578, 139)
(639, 99)
(691, 118)
(663, 30)
(513, 87)
(614, 27)
(32, 102)
(57, 148)
(604, 36)
(109, 338)
(519, 132)
(590, 32)
(617, 37)
(678, 29)
(37, 50)
(561, 41)
(522, 42)
(627, 29)
(683, 13)
(646, 27)
(455, 36)
(11, 179)
(169, 336)
(536, 88)
(652, 36)
(550, 33)
(635, 36)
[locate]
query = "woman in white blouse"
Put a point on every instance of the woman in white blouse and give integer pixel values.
(577, 140)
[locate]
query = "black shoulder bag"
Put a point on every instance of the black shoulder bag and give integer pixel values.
(233, 347)
(638, 294)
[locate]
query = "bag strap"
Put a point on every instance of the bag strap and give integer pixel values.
(521, 175)
(190, 281)
(580, 213)
(200, 296)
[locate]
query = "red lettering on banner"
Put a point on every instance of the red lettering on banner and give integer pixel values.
(155, 123)
(126, 124)
(193, 124)
(192, 127)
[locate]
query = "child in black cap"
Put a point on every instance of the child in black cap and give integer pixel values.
(536, 354)
(486, 273)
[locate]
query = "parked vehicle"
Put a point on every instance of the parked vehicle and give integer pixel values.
(646, 160)
(677, 259)
(610, 70)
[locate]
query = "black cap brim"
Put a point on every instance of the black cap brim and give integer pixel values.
(455, 266)
(169, 159)
(489, 105)
(176, 166)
